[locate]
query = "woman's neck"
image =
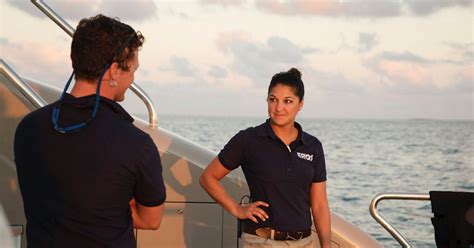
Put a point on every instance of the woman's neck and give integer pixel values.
(287, 133)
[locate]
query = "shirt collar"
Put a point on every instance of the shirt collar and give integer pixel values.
(266, 130)
(89, 101)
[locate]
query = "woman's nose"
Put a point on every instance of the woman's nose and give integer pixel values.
(279, 106)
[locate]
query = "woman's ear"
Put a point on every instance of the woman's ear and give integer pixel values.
(300, 105)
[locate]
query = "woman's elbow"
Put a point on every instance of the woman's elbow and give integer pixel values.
(203, 180)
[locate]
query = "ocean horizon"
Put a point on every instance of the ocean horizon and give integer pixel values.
(144, 116)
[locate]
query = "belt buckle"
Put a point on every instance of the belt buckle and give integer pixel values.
(265, 232)
(289, 237)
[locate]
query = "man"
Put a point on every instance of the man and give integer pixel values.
(87, 175)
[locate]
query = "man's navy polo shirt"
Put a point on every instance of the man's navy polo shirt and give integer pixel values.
(76, 187)
(276, 175)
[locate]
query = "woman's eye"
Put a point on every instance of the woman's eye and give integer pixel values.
(288, 101)
(271, 99)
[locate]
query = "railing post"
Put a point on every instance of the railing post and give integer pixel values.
(394, 196)
(21, 85)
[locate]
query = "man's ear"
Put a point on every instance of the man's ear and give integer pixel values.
(114, 70)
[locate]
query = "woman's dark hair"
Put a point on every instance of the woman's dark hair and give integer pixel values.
(101, 40)
(290, 78)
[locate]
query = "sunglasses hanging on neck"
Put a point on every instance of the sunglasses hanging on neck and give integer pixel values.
(57, 108)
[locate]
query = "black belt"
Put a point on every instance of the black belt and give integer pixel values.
(269, 233)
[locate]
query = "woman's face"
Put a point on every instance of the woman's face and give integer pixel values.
(126, 77)
(283, 105)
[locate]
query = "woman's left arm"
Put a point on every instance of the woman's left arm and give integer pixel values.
(321, 214)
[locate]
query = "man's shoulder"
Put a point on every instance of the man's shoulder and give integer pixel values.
(127, 133)
(36, 116)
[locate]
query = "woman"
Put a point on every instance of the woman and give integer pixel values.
(285, 172)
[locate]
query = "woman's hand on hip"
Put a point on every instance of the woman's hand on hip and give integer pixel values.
(251, 211)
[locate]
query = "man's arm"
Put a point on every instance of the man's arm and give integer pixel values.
(146, 217)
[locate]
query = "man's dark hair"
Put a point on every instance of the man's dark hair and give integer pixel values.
(101, 40)
(290, 78)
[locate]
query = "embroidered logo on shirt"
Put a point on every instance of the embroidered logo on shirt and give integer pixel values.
(305, 156)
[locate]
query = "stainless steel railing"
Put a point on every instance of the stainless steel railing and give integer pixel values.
(152, 116)
(394, 196)
(21, 85)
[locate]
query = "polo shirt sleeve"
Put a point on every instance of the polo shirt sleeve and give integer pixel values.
(233, 153)
(149, 188)
(320, 165)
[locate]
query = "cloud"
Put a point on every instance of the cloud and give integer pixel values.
(465, 81)
(460, 46)
(44, 62)
(469, 55)
(401, 70)
(308, 50)
(410, 73)
(403, 57)
(367, 41)
(142, 9)
(182, 67)
(357, 8)
(427, 7)
(208, 100)
(76, 10)
(69, 9)
(259, 61)
(413, 58)
(465, 50)
(330, 83)
(177, 13)
(224, 3)
(217, 72)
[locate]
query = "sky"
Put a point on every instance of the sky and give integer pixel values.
(362, 59)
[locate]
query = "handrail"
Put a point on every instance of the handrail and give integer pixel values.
(153, 119)
(54, 16)
(394, 196)
(21, 85)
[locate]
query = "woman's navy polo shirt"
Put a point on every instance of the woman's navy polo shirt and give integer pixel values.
(276, 175)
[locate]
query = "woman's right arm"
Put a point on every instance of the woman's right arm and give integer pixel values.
(210, 181)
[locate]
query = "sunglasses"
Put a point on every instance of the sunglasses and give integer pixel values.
(57, 108)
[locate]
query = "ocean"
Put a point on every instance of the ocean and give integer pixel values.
(366, 157)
